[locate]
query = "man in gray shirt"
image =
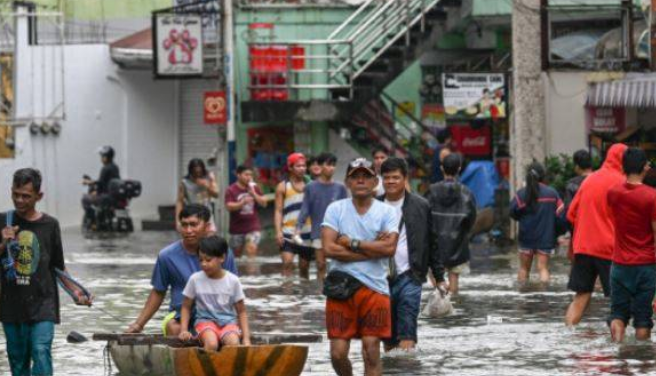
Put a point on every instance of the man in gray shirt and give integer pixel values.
(317, 196)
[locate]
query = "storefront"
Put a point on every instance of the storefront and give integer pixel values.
(622, 110)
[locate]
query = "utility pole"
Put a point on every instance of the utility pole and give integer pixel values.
(528, 122)
(228, 69)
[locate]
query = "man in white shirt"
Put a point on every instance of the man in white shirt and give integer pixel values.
(414, 254)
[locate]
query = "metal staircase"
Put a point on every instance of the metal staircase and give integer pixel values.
(340, 79)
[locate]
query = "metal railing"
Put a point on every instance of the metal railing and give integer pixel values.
(348, 51)
(281, 70)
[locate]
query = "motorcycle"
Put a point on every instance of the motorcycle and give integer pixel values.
(111, 213)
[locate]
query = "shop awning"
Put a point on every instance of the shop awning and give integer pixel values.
(635, 90)
(134, 51)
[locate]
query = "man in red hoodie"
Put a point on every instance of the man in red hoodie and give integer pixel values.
(594, 233)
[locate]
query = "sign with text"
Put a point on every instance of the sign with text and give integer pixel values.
(605, 119)
(215, 108)
(474, 95)
(179, 45)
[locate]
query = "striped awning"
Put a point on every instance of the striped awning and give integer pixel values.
(633, 91)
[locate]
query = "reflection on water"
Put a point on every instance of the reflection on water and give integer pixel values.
(524, 337)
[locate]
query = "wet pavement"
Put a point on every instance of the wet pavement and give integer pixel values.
(497, 327)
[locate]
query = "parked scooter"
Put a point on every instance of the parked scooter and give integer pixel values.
(111, 214)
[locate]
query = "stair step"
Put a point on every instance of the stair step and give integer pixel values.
(166, 212)
(393, 50)
(150, 225)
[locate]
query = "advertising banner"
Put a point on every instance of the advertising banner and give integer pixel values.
(179, 45)
(474, 95)
(215, 108)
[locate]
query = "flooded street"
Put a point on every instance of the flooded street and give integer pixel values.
(497, 329)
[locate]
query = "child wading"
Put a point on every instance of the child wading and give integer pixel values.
(632, 274)
(220, 311)
(536, 207)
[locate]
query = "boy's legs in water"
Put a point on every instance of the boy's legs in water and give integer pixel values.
(525, 263)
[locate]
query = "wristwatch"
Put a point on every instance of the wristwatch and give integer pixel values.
(355, 245)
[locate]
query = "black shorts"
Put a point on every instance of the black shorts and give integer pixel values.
(303, 251)
(585, 270)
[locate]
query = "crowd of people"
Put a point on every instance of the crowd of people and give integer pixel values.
(375, 243)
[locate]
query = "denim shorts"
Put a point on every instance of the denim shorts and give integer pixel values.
(29, 348)
(406, 299)
(632, 290)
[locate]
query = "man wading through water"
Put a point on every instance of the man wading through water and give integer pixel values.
(359, 236)
(29, 300)
(415, 252)
(175, 264)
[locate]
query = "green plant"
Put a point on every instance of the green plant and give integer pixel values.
(560, 168)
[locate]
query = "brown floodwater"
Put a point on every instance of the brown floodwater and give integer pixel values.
(497, 328)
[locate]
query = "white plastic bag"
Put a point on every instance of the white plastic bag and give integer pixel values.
(437, 305)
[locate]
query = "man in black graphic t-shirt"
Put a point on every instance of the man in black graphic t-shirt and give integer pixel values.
(29, 301)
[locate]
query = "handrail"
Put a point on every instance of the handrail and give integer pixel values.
(351, 18)
(405, 111)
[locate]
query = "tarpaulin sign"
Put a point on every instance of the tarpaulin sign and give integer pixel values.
(215, 108)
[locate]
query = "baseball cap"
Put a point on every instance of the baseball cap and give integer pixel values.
(294, 157)
(360, 164)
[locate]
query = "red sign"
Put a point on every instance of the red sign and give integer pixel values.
(215, 107)
(605, 119)
(472, 142)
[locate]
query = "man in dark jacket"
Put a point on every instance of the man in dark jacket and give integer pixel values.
(453, 209)
(415, 252)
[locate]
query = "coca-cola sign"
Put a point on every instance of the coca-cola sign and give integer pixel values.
(472, 142)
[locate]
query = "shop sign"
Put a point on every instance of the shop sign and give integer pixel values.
(472, 142)
(474, 95)
(605, 119)
(433, 116)
(179, 45)
(215, 108)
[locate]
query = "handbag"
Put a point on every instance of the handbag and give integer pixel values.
(339, 285)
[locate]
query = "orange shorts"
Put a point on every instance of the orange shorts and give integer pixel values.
(366, 314)
(220, 331)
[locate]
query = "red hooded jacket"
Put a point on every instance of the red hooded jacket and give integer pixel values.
(589, 214)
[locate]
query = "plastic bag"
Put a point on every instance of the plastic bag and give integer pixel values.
(438, 305)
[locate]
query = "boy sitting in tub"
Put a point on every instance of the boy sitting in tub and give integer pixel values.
(221, 318)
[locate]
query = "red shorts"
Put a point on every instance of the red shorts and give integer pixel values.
(220, 331)
(366, 314)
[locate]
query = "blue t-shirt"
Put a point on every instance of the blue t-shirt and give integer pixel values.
(173, 268)
(317, 197)
(342, 217)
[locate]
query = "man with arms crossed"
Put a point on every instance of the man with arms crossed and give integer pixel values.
(359, 235)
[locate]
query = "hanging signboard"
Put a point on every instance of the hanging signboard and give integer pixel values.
(605, 119)
(178, 40)
(215, 108)
(474, 95)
